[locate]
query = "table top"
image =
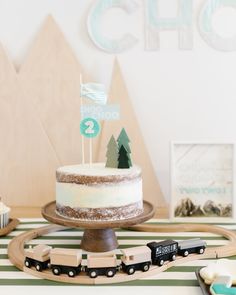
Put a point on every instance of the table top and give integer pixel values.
(178, 280)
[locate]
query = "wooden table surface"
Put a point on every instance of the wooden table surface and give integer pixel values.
(35, 212)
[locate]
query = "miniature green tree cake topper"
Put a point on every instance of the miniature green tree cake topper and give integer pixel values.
(112, 153)
(123, 140)
(123, 159)
(118, 152)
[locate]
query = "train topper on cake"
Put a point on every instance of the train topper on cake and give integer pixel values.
(69, 261)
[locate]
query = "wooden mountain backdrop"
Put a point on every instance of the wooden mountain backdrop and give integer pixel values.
(39, 121)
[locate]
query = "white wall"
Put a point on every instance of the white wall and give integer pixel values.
(177, 95)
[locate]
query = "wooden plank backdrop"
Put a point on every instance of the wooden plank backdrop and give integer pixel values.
(27, 159)
(39, 121)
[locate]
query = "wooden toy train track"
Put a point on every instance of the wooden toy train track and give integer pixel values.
(16, 252)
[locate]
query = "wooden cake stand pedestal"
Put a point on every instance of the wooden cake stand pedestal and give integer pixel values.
(99, 236)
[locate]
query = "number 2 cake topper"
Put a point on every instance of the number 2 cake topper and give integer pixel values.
(118, 151)
(92, 113)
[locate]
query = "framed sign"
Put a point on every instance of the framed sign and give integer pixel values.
(202, 181)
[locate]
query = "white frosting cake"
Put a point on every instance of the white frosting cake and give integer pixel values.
(94, 192)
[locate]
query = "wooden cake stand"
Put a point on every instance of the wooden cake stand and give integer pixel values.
(99, 236)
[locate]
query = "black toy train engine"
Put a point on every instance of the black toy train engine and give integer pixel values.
(163, 251)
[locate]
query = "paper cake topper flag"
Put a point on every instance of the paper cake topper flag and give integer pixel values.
(112, 153)
(123, 140)
(89, 127)
(94, 91)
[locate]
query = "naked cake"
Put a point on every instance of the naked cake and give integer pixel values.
(96, 192)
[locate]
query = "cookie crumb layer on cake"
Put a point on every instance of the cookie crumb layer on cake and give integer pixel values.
(94, 192)
(113, 213)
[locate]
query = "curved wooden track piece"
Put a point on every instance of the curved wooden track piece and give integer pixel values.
(16, 252)
(222, 251)
(13, 222)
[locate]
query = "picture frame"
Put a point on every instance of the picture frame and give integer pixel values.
(202, 182)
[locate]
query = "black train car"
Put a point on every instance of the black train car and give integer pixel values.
(163, 251)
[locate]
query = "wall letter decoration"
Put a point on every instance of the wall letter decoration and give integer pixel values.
(182, 23)
(206, 29)
(94, 26)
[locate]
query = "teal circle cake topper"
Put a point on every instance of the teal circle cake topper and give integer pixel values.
(89, 127)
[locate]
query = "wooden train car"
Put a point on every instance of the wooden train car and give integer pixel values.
(69, 261)
(103, 264)
(187, 247)
(163, 251)
(39, 257)
(136, 258)
(66, 261)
